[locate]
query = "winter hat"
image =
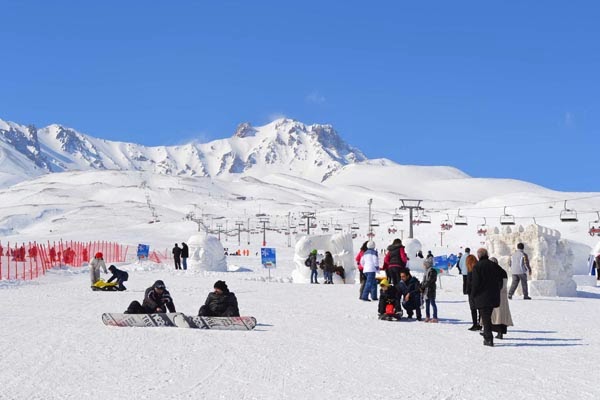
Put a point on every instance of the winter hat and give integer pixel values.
(384, 282)
(112, 268)
(520, 246)
(98, 255)
(371, 244)
(159, 285)
(221, 285)
(314, 251)
(428, 263)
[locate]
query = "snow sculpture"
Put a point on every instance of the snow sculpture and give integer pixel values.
(412, 247)
(550, 257)
(206, 254)
(341, 248)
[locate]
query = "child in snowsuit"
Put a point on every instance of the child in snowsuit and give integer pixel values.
(390, 301)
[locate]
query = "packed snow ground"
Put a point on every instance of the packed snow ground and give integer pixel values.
(312, 341)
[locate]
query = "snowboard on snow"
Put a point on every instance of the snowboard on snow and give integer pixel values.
(179, 320)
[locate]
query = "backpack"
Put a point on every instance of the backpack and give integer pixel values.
(307, 262)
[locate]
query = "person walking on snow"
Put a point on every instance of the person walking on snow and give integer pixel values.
(519, 266)
(370, 264)
(485, 289)
(501, 317)
(95, 265)
(177, 256)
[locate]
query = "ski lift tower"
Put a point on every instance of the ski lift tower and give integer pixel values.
(370, 233)
(191, 216)
(410, 205)
(308, 215)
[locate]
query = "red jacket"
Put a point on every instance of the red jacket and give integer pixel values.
(357, 258)
(393, 257)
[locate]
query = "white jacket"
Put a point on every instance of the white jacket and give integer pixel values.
(370, 261)
(462, 264)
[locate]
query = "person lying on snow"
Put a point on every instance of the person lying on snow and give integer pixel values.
(120, 275)
(220, 303)
(390, 301)
(157, 299)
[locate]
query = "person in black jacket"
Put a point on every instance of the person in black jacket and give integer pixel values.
(157, 299)
(485, 290)
(185, 253)
(220, 303)
(328, 268)
(120, 275)
(410, 288)
(390, 301)
(177, 256)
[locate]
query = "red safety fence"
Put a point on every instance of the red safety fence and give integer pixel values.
(30, 260)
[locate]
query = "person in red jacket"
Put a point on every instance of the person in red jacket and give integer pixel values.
(362, 278)
(395, 261)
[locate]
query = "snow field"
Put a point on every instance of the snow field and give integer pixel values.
(312, 341)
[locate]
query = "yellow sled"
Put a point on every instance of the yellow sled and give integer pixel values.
(102, 285)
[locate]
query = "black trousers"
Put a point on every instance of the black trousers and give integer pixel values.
(136, 308)
(486, 322)
(474, 316)
(394, 273)
(465, 284)
(177, 263)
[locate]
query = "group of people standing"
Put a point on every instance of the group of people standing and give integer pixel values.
(180, 255)
(328, 266)
(399, 289)
(485, 282)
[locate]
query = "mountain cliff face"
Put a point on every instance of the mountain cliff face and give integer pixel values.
(284, 146)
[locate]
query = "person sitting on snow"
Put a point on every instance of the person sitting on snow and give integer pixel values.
(120, 275)
(157, 299)
(220, 303)
(390, 301)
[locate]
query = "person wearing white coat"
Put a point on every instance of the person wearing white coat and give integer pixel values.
(95, 265)
(370, 264)
(501, 317)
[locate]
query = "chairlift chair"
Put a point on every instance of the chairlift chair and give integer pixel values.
(397, 217)
(337, 227)
(374, 222)
(568, 215)
(425, 219)
(446, 225)
(460, 219)
(507, 219)
(354, 226)
(482, 229)
(594, 226)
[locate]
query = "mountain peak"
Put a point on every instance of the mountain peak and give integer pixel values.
(244, 130)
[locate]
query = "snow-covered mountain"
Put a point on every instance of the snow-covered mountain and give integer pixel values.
(310, 151)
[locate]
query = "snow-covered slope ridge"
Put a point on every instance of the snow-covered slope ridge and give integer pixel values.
(310, 151)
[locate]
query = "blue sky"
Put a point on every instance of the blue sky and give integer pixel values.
(496, 89)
